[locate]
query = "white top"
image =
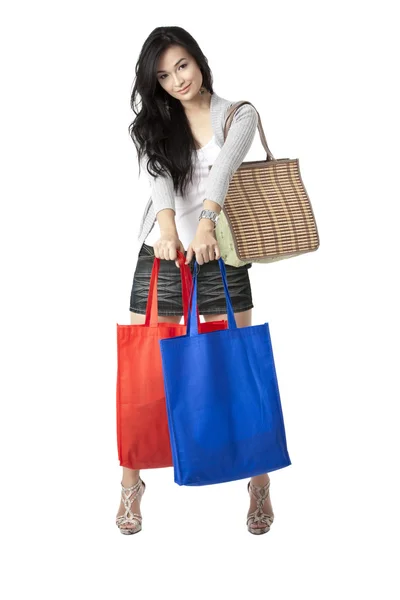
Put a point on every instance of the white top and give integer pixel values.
(189, 207)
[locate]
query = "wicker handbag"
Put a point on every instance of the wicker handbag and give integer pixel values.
(267, 214)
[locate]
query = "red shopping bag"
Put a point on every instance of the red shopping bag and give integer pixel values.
(142, 422)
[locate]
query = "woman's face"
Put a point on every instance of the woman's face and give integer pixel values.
(176, 70)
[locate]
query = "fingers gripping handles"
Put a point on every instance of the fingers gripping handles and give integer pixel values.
(152, 301)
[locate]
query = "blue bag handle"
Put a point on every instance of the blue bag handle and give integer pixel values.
(192, 324)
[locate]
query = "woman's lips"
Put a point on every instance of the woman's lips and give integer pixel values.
(184, 89)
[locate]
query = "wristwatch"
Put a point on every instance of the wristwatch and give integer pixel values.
(209, 214)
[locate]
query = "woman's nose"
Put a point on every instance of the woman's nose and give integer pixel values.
(178, 82)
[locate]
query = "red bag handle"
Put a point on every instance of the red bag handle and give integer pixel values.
(152, 300)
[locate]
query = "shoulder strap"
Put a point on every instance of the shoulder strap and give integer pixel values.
(229, 119)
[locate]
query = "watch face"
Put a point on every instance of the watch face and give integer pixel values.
(209, 214)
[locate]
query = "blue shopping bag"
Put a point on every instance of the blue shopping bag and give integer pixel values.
(223, 404)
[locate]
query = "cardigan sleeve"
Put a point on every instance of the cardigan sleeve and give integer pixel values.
(162, 189)
(233, 152)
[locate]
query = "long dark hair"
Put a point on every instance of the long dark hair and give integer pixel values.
(161, 130)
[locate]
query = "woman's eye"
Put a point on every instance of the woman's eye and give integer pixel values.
(184, 65)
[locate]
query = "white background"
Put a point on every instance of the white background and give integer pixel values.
(322, 76)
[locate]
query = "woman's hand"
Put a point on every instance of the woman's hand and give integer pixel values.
(167, 246)
(204, 244)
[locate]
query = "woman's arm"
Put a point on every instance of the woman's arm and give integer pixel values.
(168, 244)
(162, 189)
(237, 144)
(163, 198)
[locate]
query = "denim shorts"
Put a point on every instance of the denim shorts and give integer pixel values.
(210, 291)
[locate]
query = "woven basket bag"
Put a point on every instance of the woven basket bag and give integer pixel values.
(267, 214)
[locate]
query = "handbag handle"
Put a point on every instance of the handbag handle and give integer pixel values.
(152, 300)
(192, 328)
(228, 122)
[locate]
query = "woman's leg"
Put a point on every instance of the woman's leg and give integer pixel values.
(130, 476)
(243, 319)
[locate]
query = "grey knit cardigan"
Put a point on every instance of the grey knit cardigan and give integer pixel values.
(233, 152)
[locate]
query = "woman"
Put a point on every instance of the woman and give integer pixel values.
(178, 134)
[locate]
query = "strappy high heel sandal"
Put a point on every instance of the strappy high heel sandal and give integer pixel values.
(129, 495)
(260, 493)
